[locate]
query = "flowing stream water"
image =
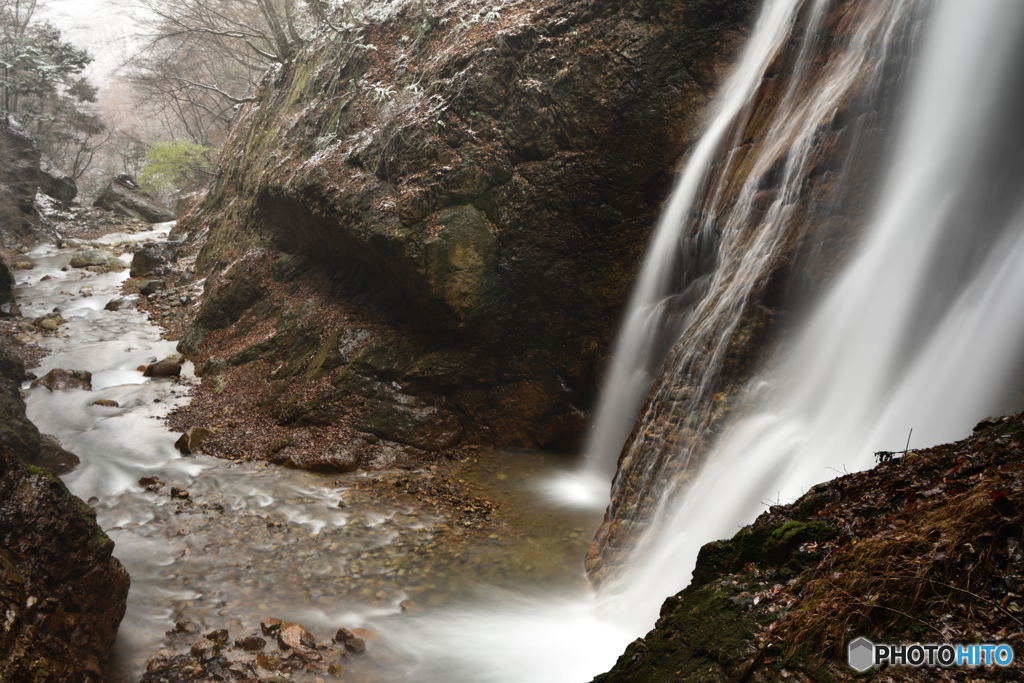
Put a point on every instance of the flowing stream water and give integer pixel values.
(255, 541)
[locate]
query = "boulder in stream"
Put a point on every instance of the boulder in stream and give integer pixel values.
(49, 323)
(120, 303)
(152, 287)
(152, 258)
(60, 379)
(168, 367)
(96, 259)
(192, 441)
(123, 196)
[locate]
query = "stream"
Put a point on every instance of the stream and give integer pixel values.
(253, 541)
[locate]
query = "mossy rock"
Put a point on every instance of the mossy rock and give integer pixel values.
(704, 634)
(766, 545)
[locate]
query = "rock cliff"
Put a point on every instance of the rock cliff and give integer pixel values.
(424, 229)
(788, 199)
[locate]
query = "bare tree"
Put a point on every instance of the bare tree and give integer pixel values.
(204, 57)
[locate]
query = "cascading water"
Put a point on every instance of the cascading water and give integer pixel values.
(779, 198)
(921, 329)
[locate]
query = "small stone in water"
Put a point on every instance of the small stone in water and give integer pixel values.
(270, 626)
(296, 637)
(152, 484)
(168, 367)
(178, 493)
(106, 403)
(204, 648)
(220, 636)
(351, 641)
(266, 662)
(251, 643)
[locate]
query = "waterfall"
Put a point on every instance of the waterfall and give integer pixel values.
(923, 329)
(769, 198)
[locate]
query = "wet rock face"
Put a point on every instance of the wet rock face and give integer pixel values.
(17, 433)
(486, 228)
(20, 176)
(123, 196)
(6, 284)
(60, 187)
(829, 192)
(62, 594)
(19, 180)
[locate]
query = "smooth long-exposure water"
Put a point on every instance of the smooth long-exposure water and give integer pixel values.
(254, 541)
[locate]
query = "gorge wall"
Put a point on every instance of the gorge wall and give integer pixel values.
(424, 229)
(62, 593)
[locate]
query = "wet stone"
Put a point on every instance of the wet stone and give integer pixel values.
(220, 636)
(59, 379)
(351, 641)
(152, 287)
(152, 484)
(270, 627)
(204, 648)
(251, 643)
(49, 323)
(295, 637)
(168, 367)
(268, 662)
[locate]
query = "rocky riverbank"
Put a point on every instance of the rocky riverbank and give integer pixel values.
(61, 591)
(924, 548)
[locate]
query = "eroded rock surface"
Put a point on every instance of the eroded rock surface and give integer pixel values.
(429, 244)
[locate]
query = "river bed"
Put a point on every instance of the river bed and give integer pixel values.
(252, 541)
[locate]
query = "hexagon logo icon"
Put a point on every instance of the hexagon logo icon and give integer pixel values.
(861, 654)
